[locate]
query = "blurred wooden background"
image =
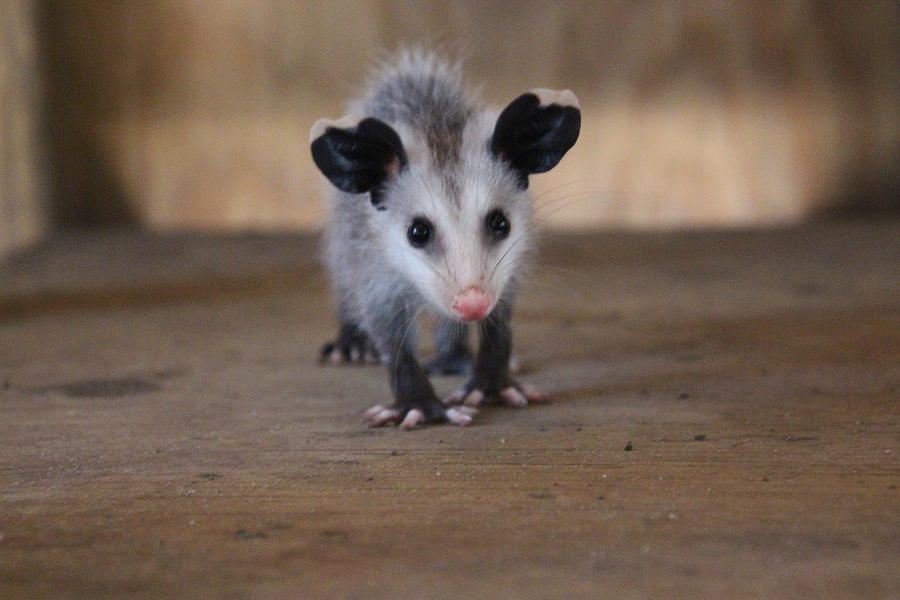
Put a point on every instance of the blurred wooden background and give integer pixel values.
(23, 216)
(176, 113)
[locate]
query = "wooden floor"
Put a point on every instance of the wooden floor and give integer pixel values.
(725, 424)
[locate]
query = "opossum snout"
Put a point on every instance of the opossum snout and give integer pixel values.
(472, 303)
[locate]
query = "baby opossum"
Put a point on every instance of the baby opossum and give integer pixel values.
(432, 211)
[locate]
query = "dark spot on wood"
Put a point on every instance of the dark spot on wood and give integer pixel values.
(601, 497)
(764, 479)
(107, 388)
(334, 534)
(684, 396)
(370, 479)
(628, 447)
(246, 534)
(210, 476)
(169, 373)
(542, 496)
(700, 437)
(799, 438)
(6, 384)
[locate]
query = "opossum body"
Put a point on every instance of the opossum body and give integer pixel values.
(432, 211)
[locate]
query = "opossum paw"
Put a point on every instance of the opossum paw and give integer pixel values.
(514, 394)
(350, 353)
(379, 416)
(460, 415)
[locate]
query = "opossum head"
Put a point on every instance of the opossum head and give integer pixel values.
(451, 210)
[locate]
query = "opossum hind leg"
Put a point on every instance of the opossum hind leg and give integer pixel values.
(352, 346)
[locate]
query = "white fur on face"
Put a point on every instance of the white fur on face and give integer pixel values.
(461, 252)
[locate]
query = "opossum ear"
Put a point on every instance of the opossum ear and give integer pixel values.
(357, 154)
(535, 131)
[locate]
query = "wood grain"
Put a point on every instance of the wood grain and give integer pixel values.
(179, 441)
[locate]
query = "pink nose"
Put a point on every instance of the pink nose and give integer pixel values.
(472, 304)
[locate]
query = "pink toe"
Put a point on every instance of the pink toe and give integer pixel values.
(513, 397)
(474, 399)
(413, 418)
(371, 412)
(460, 416)
(379, 415)
(533, 394)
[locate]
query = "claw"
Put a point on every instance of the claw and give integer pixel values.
(461, 415)
(533, 394)
(413, 417)
(513, 397)
(474, 399)
(378, 416)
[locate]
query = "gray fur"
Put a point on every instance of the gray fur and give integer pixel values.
(427, 96)
(381, 282)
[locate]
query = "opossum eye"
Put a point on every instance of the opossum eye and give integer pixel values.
(419, 232)
(497, 224)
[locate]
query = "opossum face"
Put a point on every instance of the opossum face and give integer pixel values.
(456, 227)
(459, 238)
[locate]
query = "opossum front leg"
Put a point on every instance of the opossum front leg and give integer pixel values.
(491, 379)
(415, 402)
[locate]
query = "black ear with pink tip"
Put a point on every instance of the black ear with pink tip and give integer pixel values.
(535, 131)
(357, 154)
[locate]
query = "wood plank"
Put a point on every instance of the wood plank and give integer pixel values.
(187, 445)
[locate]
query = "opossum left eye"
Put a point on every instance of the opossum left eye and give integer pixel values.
(419, 232)
(497, 224)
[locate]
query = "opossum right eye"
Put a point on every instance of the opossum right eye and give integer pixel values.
(497, 224)
(419, 232)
